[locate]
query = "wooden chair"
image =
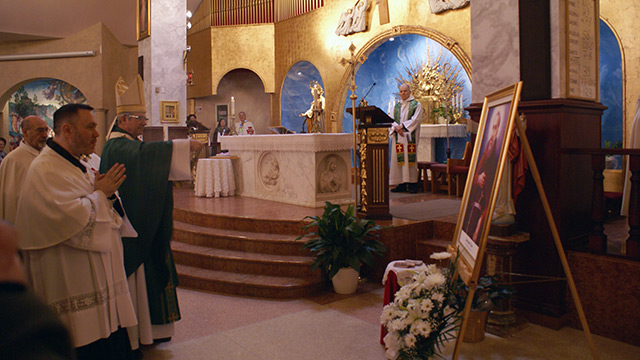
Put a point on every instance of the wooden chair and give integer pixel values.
(452, 176)
(423, 166)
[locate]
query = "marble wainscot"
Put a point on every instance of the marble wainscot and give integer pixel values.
(300, 169)
(429, 133)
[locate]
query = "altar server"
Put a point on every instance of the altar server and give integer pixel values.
(13, 168)
(70, 240)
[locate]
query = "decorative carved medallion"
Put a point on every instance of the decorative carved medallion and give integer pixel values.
(269, 170)
(378, 136)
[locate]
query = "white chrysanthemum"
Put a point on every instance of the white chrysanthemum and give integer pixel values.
(426, 305)
(421, 328)
(388, 312)
(436, 279)
(403, 294)
(396, 325)
(410, 340)
(440, 255)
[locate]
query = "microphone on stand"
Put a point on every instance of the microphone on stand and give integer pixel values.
(363, 102)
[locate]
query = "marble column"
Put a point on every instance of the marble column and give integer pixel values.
(163, 53)
(495, 46)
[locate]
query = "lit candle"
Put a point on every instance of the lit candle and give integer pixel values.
(233, 107)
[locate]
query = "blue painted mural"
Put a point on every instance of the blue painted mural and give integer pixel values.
(611, 88)
(296, 95)
(390, 61)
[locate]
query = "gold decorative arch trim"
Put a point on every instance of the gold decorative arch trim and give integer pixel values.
(447, 42)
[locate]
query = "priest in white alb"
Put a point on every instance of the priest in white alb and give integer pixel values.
(13, 169)
(70, 239)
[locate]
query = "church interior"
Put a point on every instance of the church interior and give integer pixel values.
(247, 290)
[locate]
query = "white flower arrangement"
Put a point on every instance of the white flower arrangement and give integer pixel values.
(422, 316)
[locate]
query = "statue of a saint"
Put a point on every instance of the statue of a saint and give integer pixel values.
(315, 114)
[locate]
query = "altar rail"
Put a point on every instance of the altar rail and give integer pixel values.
(597, 239)
(243, 12)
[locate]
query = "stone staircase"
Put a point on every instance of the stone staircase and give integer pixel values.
(242, 256)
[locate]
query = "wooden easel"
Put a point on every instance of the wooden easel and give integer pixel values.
(556, 237)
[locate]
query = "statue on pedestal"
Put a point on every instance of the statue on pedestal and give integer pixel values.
(315, 115)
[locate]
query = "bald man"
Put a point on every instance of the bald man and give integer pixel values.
(405, 133)
(13, 168)
(30, 330)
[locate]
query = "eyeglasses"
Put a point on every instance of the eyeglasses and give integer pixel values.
(139, 117)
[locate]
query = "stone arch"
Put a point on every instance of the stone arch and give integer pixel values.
(447, 42)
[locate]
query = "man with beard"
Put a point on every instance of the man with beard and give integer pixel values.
(70, 240)
(13, 168)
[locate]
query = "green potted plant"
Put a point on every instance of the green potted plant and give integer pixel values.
(341, 243)
(442, 115)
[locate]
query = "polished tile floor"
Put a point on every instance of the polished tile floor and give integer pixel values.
(331, 326)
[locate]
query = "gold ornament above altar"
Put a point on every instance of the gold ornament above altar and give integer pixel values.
(436, 85)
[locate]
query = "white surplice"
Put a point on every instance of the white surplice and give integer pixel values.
(69, 237)
(144, 332)
(13, 171)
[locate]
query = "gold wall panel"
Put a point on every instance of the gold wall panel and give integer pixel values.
(249, 47)
(311, 38)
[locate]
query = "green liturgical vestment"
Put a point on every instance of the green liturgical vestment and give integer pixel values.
(147, 197)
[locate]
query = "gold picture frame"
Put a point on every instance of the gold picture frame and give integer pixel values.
(143, 19)
(169, 111)
(499, 113)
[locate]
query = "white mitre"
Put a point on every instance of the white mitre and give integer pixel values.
(129, 99)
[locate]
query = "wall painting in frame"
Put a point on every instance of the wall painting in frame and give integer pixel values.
(143, 19)
(499, 112)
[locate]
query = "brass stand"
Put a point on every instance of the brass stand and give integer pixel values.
(502, 320)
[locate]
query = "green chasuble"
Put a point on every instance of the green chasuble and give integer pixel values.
(147, 197)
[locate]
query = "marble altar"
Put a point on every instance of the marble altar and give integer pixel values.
(300, 169)
(428, 134)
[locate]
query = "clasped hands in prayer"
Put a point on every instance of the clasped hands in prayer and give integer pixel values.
(110, 182)
(399, 128)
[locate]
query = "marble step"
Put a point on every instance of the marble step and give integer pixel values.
(240, 223)
(243, 262)
(255, 242)
(424, 248)
(279, 287)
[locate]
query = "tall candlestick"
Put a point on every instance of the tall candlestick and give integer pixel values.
(233, 107)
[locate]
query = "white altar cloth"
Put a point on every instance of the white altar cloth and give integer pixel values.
(427, 144)
(301, 169)
(214, 178)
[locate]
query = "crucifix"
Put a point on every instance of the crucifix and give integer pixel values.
(352, 62)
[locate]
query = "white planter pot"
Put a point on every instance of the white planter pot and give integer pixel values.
(345, 281)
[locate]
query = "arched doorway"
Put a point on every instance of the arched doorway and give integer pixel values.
(389, 57)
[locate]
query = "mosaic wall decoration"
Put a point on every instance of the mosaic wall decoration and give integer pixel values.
(42, 98)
